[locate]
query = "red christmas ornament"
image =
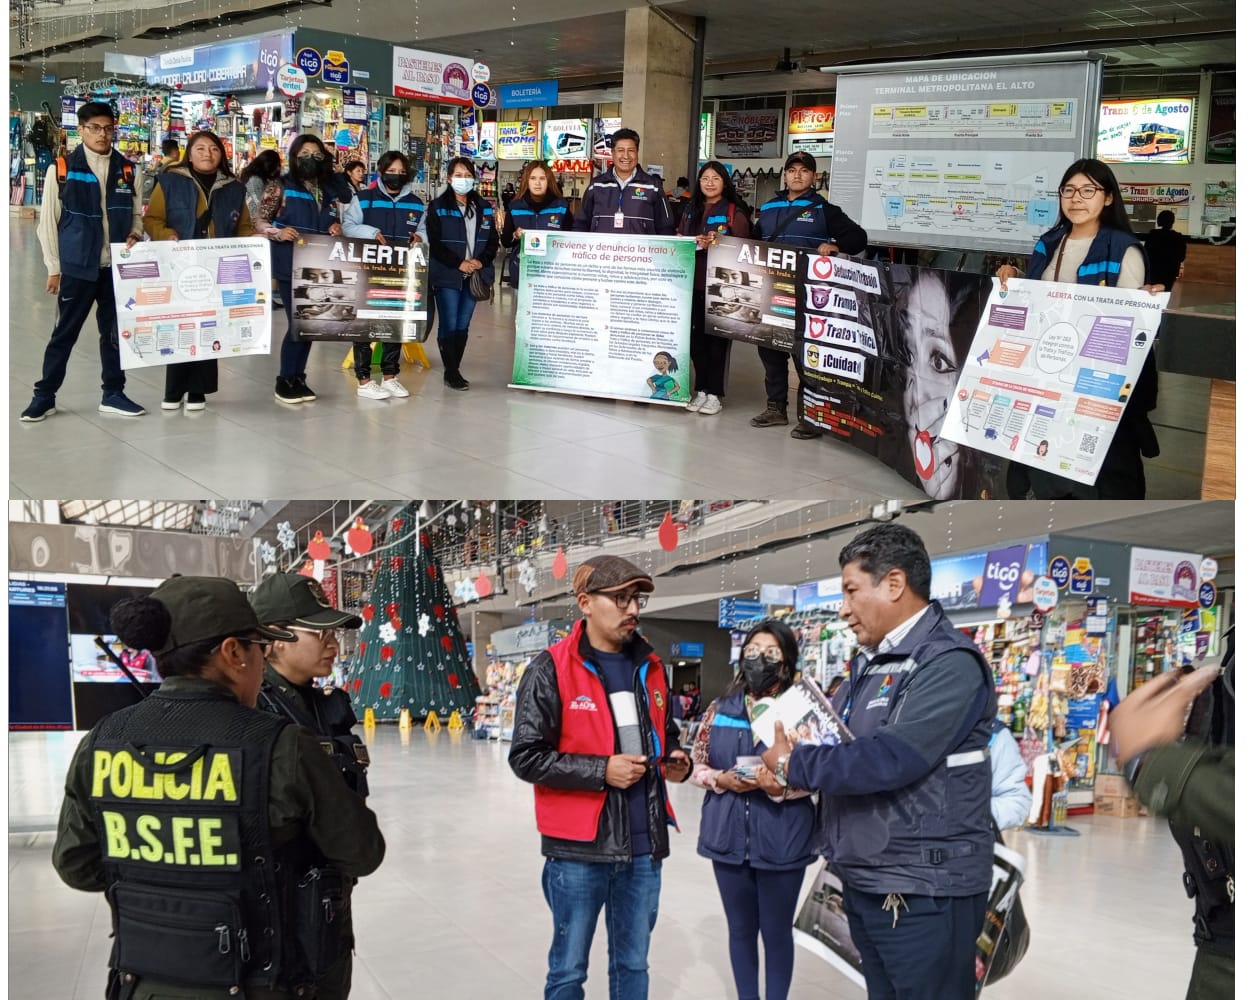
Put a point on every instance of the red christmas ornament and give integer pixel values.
(446, 640)
(356, 686)
(396, 622)
(431, 572)
(560, 565)
(360, 538)
(307, 568)
(425, 540)
(397, 563)
(319, 548)
(367, 612)
(362, 649)
(396, 523)
(385, 690)
(482, 585)
(392, 610)
(668, 533)
(454, 681)
(438, 612)
(387, 653)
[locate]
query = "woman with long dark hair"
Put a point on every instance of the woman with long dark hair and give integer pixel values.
(539, 206)
(309, 205)
(759, 846)
(197, 198)
(1094, 244)
(262, 180)
(714, 209)
(463, 242)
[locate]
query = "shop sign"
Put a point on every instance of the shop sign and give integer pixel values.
(1059, 570)
(1208, 569)
(486, 140)
(1003, 568)
(517, 140)
(238, 65)
(1036, 620)
(1082, 581)
(1202, 645)
(532, 637)
(482, 95)
(69, 112)
(1164, 579)
(336, 69)
(566, 138)
(983, 579)
(1190, 620)
(481, 72)
(573, 166)
(1045, 594)
(292, 81)
(687, 650)
(431, 76)
(1156, 194)
(811, 130)
(748, 133)
(1096, 616)
(1206, 595)
(777, 593)
(734, 611)
(535, 94)
(309, 60)
(355, 104)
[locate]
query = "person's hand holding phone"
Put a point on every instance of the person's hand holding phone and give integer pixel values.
(624, 769)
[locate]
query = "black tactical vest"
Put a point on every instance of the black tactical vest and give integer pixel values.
(331, 718)
(180, 790)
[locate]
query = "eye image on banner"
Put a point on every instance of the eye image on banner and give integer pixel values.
(347, 289)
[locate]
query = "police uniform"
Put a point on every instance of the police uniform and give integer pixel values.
(222, 836)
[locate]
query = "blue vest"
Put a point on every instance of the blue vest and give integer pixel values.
(1102, 262)
(454, 238)
(752, 828)
(182, 203)
(524, 216)
(799, 223)
(81, 226)
(932, 838)
(299, 209)
(397, 219)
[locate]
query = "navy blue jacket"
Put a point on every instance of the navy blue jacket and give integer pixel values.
(905, 807)
(81, 227)
(301, 210)
(396, 217)
(525, 214)
(750, 828)
(808, 221)
(448, 239)
(1102, 262)
(642, 201)
(181, 194)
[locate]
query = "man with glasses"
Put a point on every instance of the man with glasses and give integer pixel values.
(90, 199)
(596, 737)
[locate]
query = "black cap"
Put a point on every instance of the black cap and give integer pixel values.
(806, 159)
(209, 607)
(606, 574)
(295, 599)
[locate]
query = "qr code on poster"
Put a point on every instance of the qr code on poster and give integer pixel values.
(245, 333)
(1089, 444)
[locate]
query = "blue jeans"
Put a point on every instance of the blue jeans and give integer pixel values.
(576, 891)
(760, 903)
(455, 310)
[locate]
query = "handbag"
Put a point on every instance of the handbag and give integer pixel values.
(481, 289)
(1013, 940)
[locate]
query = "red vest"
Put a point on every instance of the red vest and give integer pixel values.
(587, 726)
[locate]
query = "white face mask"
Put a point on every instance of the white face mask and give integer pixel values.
(462, 185)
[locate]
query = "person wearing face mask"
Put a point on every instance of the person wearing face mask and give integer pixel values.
(539, 206)
(196, 199)
(391, 212)
(309, 205)
(463, 241)
(759, 846)
(625, 200)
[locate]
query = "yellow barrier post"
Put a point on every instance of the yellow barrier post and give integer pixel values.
(405, 719)
(369, 719)
(455, 724)
(431, 723)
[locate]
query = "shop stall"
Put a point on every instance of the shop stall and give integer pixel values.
(508, 653)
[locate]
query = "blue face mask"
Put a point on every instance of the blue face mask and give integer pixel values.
(462, 185)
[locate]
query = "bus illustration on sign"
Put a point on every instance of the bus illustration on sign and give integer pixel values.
(1152, 140)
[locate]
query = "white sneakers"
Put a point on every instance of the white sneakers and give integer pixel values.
(696, 401)
(371, 390)
(711, 405)
(392, 387)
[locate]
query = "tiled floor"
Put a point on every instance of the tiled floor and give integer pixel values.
(456, 908)
(509, 443)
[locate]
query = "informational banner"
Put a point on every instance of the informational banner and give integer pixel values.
(944, 154)
(348, 289)
(69, 112)
(605, 315)
(1154, 130)
(987, 579)
(190, 300)
(486, 149)
(236, 65)
(517, 140)
(1219, 203)
(748, 133)
(1163, 579)
(1050, 371)
(1222, 129)
(566, 138)
(1156, 194)
(431, 76)
(751, 289)
(811, 130)
(534, 94)
(355, 104)
(468, 132)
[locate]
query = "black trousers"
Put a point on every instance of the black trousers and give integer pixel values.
(708, 353)
(73, 306)
(777, 376)
(362, 355)
(190, 377)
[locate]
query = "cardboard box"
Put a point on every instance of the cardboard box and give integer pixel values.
(1113, 785)
(26, 212)
(1120, 806)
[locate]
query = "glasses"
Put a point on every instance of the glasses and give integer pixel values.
(323, 635)
(623, 601)
(264, 644)
(1085, 191)
(772, 654)
(99, 129)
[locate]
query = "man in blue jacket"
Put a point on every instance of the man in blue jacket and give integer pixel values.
(905, 809)
(626, 199)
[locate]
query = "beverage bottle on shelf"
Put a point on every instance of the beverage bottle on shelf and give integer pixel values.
(1017, 717)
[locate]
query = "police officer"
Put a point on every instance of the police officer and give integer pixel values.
(199, 816)
(799, 216)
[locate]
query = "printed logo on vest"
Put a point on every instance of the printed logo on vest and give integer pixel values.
(886, 685)
(659, 700)
(583, 703)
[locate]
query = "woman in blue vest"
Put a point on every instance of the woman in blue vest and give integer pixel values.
(463, 242)
(309, 205)
(197, 198)
(760, 847)
(1094, 244)
(388, 211)
(539, 206)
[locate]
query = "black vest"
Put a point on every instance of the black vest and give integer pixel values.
(81, 226)
(331, 719)
(182, 202)
(180, 790)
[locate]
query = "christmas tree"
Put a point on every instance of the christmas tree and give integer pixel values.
(412, 653)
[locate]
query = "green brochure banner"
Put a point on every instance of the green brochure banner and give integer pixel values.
(605, 315)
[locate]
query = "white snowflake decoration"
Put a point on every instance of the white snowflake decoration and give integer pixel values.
(387, 632)
(465, 592)
(268, 556)
(527, 576)
(423, 625)
(286, 535)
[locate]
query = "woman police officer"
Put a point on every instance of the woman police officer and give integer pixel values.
(222, 836)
